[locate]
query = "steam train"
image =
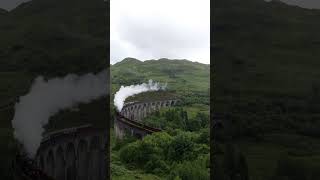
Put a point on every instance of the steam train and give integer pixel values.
(133, 123)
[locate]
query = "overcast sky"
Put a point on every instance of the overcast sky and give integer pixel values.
(153, 29)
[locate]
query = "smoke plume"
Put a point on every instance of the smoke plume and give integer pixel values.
(127, 91)
(46, 98)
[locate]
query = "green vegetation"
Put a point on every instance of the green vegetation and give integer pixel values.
(181, 75)
(181, 150)
(178, 154)
(266, 74)
(177, 118)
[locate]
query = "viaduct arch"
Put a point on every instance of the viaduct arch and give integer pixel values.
(131, 115)
(74, 154)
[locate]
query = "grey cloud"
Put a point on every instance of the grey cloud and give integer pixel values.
(164, 30)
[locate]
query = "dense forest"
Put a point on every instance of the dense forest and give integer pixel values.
(181, 150)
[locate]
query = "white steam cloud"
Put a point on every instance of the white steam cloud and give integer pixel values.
(46, 98)
(127, 91)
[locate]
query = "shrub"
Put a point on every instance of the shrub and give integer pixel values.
(156, 165)
(190, 170)
(152, 147)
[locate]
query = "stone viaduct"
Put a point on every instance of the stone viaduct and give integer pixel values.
(74, 154)
(129, 120)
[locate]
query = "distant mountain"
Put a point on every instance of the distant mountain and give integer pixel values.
(181, 75)
(129, 61)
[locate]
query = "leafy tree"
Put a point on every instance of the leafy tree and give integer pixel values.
(182, 147)
(193, 124)
(204, 136)
(160, 152)
(141, 152)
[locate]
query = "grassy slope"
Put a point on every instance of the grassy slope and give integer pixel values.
(266, 56)
(180, 75)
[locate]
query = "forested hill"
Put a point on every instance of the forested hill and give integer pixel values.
(54, 37)
(180, 75)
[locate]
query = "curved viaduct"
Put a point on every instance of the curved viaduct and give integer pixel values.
(74, 154)
(131, 115)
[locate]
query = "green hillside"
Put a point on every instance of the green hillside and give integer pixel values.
(266, 63)
(183, 77)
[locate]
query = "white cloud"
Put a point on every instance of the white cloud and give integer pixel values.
(153, 29)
